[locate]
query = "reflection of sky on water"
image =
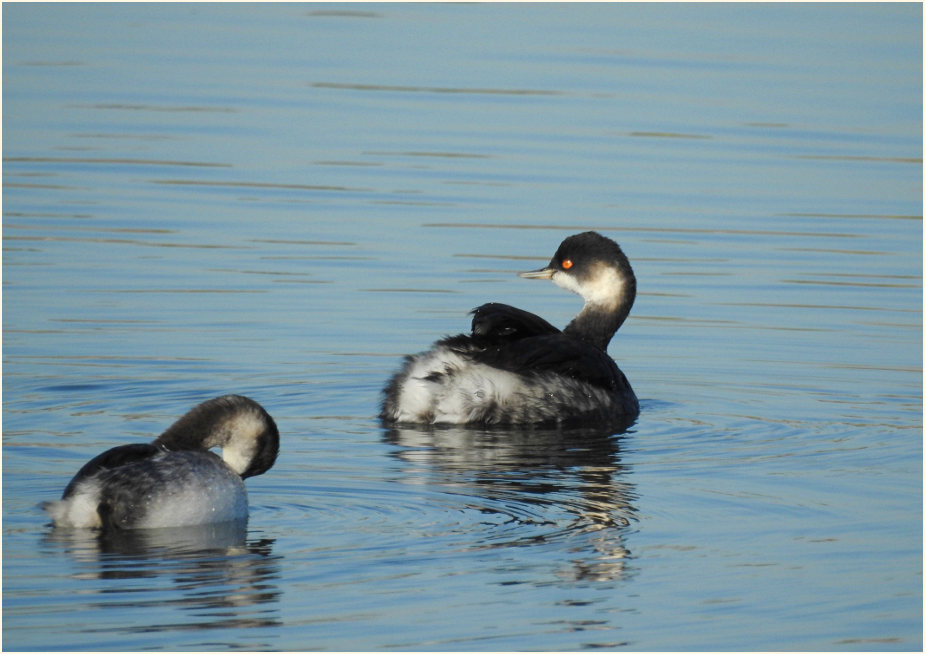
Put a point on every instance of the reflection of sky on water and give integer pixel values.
(282, 200)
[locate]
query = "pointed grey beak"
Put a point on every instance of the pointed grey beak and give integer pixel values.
(542, 273)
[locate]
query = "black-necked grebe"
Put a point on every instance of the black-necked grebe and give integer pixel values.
(175, 481)
(516, 368)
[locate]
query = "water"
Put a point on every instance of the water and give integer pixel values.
(282, 200)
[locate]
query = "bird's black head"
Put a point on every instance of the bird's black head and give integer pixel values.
(581, 254)
(592, 266)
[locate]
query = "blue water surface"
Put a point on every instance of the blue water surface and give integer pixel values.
(282, 200)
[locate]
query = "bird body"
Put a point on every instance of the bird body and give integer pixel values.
(176, 480)
(517, 368)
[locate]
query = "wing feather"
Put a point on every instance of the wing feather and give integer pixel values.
(495, 322)
(519, 341)
(112, 458)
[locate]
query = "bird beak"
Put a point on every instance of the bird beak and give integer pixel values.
(542, 273)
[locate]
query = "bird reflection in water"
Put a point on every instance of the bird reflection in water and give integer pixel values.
(534, 486)
(226, 580)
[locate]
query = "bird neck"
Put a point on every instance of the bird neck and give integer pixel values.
(223, 423)
(598, 321)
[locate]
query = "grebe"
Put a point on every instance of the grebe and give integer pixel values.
(175, 480)
(516, 368)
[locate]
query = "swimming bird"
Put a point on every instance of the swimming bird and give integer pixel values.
(516, 368)
(175, 480)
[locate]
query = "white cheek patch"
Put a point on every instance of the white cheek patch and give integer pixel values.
(237, 458)
(603, 288)
(241, 446)
(566, 281)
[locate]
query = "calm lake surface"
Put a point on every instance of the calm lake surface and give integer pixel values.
(282, 200)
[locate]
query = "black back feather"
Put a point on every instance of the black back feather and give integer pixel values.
(500, 323)
(518, 341)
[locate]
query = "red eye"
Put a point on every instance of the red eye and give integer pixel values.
(566, 264)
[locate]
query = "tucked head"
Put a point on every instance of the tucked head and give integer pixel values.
(243, 429)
